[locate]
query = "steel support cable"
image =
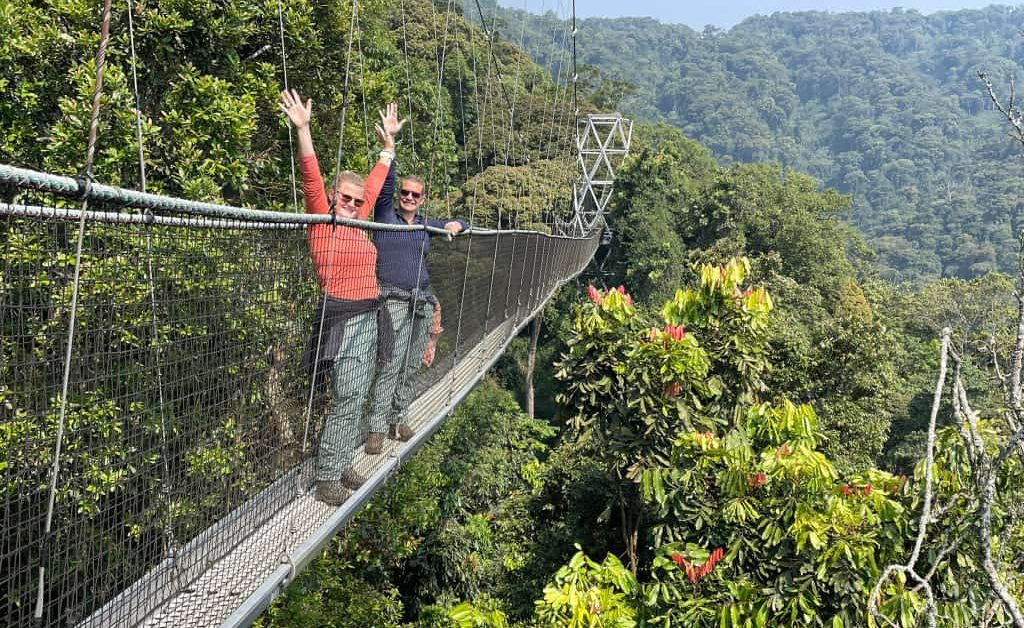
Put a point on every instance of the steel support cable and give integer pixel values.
(513, 135)
(576, 111)
(540, 263)
(408, 84)
(171, 545)
(284, 71)
(534, 267)
(362, 92)
(540, 277)
(476, 188)
(517, 263)
(575, 71)
(559, 86)
(570, 112)
(561, 98)
(528, 265)
(490, 38)
(334, 182)
(469, 245)
(549, 143)
(531, 176)
(295, 202)
(353, 24)
(439, 117)
(511, 110)
(569, 120)
(90, 155)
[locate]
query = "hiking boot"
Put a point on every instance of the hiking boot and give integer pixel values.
(332, 492)
(401, 432)
(351, 479)
(374, 443)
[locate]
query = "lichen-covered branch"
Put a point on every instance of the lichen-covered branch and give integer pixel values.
(926, 509)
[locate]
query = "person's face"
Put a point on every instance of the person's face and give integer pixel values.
(348, 198)
(410, 196)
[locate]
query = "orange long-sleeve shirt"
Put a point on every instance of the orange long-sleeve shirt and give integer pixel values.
(344, 258)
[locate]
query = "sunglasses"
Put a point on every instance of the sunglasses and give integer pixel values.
(345, 199)
(411, 193)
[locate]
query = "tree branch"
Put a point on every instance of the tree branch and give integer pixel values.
(926, 509)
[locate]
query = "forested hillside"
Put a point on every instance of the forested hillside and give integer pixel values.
(884, 106)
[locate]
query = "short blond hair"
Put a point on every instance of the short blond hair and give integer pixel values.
(347, 176)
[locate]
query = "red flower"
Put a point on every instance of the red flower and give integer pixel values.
(867, 490)
(593, 295)
(846, 489)
(756, 480)
(676, 332)
(671, 390)
(696, 573)
(622, 290)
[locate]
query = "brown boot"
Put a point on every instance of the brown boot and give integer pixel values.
(374, 443)
(401, 432)
(332, 492)
(351, 479)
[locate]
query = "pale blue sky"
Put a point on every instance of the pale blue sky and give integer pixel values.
(726, 13)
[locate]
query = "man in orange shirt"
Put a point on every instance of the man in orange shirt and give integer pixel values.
(349, 319)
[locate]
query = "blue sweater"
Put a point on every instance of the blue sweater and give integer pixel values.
(402, 255)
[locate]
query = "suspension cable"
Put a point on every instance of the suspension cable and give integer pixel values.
(408, 84)
(90, 155)
(284, 70)
(337, 173)
(362, 92)
(469, 244)
(166, 486)
(438, 119)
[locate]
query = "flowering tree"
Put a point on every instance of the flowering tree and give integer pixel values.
(730, 514)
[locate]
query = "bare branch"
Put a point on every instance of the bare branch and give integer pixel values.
(985, 539)
(943, 553)
(1012, 114)
(926, 509)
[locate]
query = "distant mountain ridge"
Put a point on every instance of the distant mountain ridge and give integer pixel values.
(885, 106)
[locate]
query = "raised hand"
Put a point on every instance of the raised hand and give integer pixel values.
(389, 121)
(387, 140)
(298, 113)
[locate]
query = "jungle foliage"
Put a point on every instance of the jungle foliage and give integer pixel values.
(884, 106)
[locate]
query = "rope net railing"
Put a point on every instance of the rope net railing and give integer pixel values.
(190, 420)
(172, 426)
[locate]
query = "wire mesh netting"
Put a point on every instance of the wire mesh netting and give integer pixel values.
(191, 417)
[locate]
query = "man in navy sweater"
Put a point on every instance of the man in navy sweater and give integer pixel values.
(405, 291)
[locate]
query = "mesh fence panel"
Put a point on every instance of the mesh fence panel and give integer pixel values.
(190, 417)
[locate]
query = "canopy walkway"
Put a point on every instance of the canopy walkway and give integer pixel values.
(159, 427)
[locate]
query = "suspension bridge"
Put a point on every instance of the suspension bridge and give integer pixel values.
(158, 427)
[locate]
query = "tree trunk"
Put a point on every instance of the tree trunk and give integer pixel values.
(531, 362)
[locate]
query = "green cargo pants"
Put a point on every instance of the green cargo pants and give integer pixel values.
(353, 372)
(393, 389)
